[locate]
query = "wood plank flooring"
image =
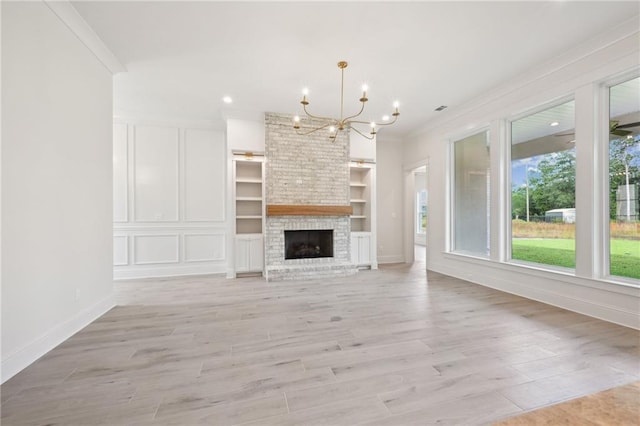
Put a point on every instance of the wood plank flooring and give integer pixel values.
(386, 347)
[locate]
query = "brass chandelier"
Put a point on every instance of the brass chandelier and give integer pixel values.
(343, 123)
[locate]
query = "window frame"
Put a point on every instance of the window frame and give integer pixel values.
(451, 183)
(603, 233)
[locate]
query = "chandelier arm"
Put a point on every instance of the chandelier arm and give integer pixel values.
(313, 130)
(317, 117)
(388, 123)
(355, 115)
(370, 137)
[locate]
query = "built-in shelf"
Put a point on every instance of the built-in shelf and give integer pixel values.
(249, 214)
(362, 200)
(360, 196)
(248, 195)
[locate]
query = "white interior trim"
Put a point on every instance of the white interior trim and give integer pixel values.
(25, 356)
(65, 11)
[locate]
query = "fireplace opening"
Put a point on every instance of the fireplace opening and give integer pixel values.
(307, 244)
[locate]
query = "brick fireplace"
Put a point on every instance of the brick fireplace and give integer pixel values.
(307, 188)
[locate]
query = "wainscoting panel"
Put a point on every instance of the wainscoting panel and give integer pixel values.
(156, 249)
(156, 174)
(204, 247)
(120, 173)
(169, 209)
(120, 250)
(204, 171)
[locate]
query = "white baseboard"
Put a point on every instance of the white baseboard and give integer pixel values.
(167, 271)
(396, 258)
(17, 361)
(564, 295)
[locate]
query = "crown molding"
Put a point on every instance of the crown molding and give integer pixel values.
(600, 42)
(183, 123)
(68, 14)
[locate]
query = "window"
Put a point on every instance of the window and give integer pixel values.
(543, 187)
(624, 179)
(471, 195)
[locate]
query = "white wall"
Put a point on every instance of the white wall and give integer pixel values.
(390, 200)
(577, 73)
(56, 184)
(245, 134)
(361, 148)
(168, 200)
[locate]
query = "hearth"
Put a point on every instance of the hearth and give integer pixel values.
(306, 244)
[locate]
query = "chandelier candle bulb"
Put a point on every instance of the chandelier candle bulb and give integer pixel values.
(344, 123)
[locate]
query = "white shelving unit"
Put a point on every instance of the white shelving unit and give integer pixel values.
(248, 174)
(362, 198)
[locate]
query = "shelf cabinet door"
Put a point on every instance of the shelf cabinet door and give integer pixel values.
(364, 250)
(242, 255)
(256, 254)
(355, 249)
(249, 253)
(361, 249)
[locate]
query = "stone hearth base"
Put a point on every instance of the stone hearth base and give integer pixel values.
(310, 271)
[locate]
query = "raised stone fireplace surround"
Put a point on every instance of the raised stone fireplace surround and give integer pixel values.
(307, 188)
(278, 268)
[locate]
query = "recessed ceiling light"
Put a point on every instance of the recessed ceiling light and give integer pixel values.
(227, 99)
(553, 124)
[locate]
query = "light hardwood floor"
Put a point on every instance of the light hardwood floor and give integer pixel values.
(385, 347)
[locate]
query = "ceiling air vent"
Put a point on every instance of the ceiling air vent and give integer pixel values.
(440, 108)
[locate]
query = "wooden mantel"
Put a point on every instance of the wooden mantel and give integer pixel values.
(308, 210)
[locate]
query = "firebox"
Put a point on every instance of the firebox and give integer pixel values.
(307, 244)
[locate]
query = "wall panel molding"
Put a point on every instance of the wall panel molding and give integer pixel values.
(156, 174)
(204, 247)
(158, 248)
(120, 250)
(175, 181)
(121, 173)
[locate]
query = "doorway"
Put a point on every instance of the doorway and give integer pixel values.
(416, 219)
(420, 215)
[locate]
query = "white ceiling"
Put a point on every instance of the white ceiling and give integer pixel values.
(183, 57)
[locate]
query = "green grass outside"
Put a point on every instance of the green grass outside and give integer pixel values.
(625, 254)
